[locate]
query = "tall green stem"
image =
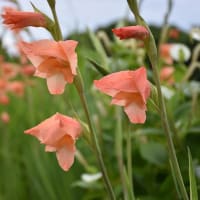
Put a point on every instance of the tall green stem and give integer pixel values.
(153, 57)
(79, 87)
(129, 163)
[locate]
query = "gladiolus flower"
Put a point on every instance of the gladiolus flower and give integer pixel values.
(28, 70)
(174, 33)
(59, 134)
(129, 89)
(5, 117)
(4, 100)
(164, 51)
(137, 32)
(55, 61)
(166, 74)
(17, 19)
(17, 87)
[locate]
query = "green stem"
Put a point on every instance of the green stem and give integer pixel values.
(79, 86)
(153, 57)
(57, 31)
(165, 25)
(129, 164)
(119, 152)
(80, 90)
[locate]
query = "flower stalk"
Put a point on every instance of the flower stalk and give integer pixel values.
(153, 57)
(79, 86)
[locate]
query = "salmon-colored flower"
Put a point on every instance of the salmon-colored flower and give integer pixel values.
(16, 87)
(5, 117)
(59, 134)
(18, 19)
(4, 99)
(28, 70)
(129, 89)
(165, 55)
(174, 33)
(137, 32)
(166, 74)
(9, 70)
(55, 61)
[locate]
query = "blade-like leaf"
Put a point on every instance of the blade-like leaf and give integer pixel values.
(98, 67)
(193, 185)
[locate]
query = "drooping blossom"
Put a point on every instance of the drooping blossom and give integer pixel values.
(129, 89)
(167, 74)
(18, 19)
(136, 32)
(55, 61)
(164, 51)
(59, 134)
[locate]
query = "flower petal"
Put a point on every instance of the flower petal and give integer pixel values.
(69, 49)
(136, 113)
(56, 83)
(65, 155)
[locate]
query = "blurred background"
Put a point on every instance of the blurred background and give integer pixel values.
(27, 172)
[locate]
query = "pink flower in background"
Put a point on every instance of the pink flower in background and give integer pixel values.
(59, 134)
(136, 32)
(174, 33)
(4, 99)
(166, 74)
(129, 89)
(5, 117)
(9, 70)
(28, 70)
(16, 87)
(164, 51)
(17, 19)
(55, 61)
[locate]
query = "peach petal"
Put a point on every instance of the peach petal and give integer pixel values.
(56, 84)
(136, 114)
(65, 156)
(50, 148)
(69, 48)
(72, 127)
(43, 48)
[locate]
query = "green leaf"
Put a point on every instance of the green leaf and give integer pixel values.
(154, 153)
(193, 184)
(99, 47)
(98, 67)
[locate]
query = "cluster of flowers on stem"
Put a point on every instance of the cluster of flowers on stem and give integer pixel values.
(56, 61)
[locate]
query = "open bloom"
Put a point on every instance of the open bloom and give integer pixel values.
(58, 133)
(55, 61)
(136, 32)
(18, 19)
(129, 89)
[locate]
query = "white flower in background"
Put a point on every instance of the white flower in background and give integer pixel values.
(168, 93)
(195, 34)
(180, 52)
(89, 178)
